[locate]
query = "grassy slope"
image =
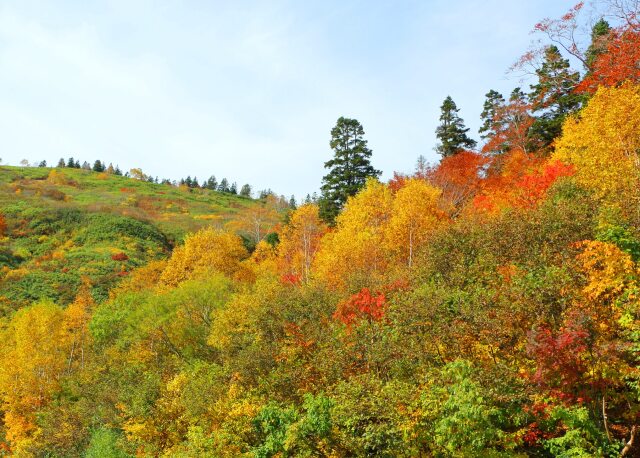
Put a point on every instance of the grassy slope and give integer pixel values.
(64, 225)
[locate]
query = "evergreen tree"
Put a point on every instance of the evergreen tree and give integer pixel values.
(71, 163)
(86, 166)
(224, 185)
(97, 166)
(117, 172)
(245, 190)
(494, 100)
(194, 183)
(598, 46)
(42, 164)
(292, 203)
(451, 133)
(77, 164)
(553, 97)
(234, 188)
(349, 168)
(61, 163)
(187, 182)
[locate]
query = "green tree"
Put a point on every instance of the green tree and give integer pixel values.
(245, 190)
(599, 35)
(494, 100)
(349, 168)
(553, 97)
(97, 166)
(451, 133)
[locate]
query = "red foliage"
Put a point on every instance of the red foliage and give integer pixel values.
(291, 279)
(620, 62)
(458, 176)
(560, 359)
(397, 182)
(534, 186)
(3, 225)
(362, 305)
(119, 257)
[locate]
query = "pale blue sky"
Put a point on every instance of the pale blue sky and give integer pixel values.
(248, 90)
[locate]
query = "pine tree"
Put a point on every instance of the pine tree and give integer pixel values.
(117, 172)
(599, 34)
(451, 133)
(553, 97)
(97, 166)
(234, 188)
(292, 203)
(71, 163)
(224, 185)
(494, 100)
(348, 170)
(61, 163)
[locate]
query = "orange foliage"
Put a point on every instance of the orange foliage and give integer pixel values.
(458, 176)
(362, 305)
(3, 225)
(620, 62)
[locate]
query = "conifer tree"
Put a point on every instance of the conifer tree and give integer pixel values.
(349, 168)
(61, 163)
(494, 100)
(553, 97)
(452, 133)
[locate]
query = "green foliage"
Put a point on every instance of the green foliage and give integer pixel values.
(104, 443)
(451, 132)
(582, 437)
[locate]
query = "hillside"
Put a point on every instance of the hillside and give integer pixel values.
(61, 225)
(487, 305)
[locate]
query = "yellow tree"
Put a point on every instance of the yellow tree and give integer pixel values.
(208, 249)
(34, 350)
(354, 254)
(300, 240)
(256, 221)
(603, 144)
(415, 216)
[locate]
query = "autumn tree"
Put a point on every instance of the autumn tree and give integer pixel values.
(603, 145)
(354, 253)
(207, 250)
(415, 215)
(300, 240)
(452, 133)
(348, 170)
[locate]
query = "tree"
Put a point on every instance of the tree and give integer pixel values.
(97, 166)
(207, 250)
(603, 145)
(234, 188)
(224, 185)
(300, 240)
(348, 170)
(61, 163)
(451, 133)
(42, 164)
(245, 190)
(553, 97)
(494, 100)
(71, 163)
(599, 34)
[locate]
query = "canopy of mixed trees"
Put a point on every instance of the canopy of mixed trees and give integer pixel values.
(486, 306)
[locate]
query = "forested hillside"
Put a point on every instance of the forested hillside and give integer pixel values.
(484, 306)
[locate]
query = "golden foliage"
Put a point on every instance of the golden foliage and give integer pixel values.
(207, 250)
(603, 143)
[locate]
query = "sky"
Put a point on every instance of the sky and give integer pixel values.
(248, 90)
